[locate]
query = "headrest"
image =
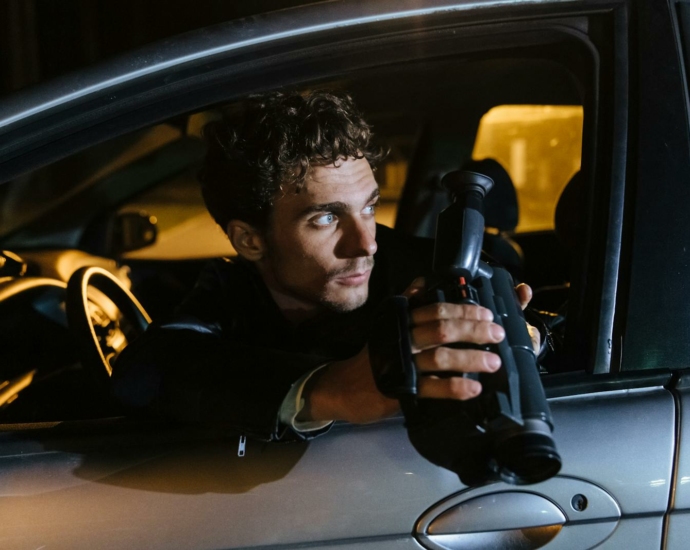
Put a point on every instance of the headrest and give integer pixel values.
(569, 212)
(500, 206)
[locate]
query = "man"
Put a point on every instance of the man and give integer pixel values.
(273, 343)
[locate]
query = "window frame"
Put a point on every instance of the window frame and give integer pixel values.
(197, 91)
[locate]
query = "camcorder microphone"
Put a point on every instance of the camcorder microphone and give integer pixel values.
(506, 431)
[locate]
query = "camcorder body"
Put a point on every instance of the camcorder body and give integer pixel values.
(505, 433)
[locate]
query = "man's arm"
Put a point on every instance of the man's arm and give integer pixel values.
(185, 370)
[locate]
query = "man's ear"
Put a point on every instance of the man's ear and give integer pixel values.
(247, 240)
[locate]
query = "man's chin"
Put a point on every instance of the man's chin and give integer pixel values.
(343, 304)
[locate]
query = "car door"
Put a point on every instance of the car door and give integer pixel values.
(113, 483)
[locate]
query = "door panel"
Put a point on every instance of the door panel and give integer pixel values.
(120, 484)
(621, 441)
(617, 451)
(638, 533)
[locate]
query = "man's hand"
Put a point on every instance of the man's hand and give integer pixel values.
(436, 325)
(524, 294)
(345, 390)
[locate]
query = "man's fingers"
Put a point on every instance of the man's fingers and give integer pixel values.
(535, 337)
(415, 288)
(444, 310)
(444, 359)
(524, 294)
(448, 331)
(448, 388)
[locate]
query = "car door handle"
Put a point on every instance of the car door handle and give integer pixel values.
(510, 520)
(562, 512)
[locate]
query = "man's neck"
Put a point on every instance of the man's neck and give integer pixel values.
(296, 311)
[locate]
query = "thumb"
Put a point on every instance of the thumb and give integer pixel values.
(524, 294)
(415, 287)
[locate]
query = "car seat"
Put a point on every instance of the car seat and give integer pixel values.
(568, 227)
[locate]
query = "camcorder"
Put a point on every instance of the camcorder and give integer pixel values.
(505, 433)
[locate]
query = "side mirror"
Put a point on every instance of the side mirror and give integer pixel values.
(132, 231)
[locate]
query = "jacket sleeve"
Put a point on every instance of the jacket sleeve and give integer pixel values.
(184, 370)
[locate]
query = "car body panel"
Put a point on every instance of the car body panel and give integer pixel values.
(359, 482)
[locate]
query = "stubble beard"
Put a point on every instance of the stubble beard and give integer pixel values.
(357, 295)
(321, 296)
(346, 300)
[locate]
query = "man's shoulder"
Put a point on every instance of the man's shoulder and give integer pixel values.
(402, 246)
(221, 280)
(400, 259)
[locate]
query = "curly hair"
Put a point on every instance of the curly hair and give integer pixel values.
(279, 138)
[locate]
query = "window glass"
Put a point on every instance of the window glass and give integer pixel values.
(540, 146)
(185, 228)
(391, 177)
(26, 199)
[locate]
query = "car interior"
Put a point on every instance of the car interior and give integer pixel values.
(128, 212)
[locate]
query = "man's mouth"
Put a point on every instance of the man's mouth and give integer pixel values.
(354, 279)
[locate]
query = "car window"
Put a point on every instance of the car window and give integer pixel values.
(30, 197)
(540, 146)
(428, 130)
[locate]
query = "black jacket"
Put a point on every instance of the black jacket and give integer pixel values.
(229, 356)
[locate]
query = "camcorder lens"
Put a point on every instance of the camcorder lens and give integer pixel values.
(527, 457)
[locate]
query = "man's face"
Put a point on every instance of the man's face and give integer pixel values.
(321, 241)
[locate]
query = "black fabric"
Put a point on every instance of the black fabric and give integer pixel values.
(230, 357)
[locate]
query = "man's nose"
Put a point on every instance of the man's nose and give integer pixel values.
(359, 239)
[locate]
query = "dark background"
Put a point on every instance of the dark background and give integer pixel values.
(40, 39)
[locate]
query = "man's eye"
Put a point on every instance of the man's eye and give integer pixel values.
(326, 219)
(371, 209)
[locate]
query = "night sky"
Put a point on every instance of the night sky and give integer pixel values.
(40, 39)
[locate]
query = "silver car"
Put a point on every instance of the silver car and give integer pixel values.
(98, 171)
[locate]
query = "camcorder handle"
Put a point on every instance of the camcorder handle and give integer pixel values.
(506, 432)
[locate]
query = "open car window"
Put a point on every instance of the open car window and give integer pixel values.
(522, 110)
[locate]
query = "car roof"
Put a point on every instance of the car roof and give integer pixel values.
(201, 44)
(37, 116)
(219, 39)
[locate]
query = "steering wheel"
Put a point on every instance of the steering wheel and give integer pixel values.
(103, 317)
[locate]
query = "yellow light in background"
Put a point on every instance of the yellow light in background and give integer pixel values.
(395, 175)
(541, 147)
(391, 178)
